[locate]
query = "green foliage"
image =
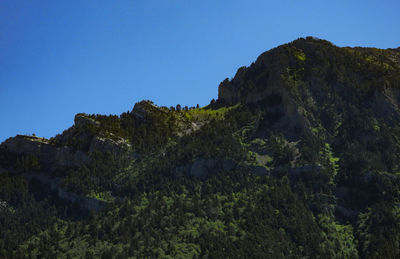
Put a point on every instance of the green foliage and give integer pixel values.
(28, 163)
(319, 122)
(339, 239)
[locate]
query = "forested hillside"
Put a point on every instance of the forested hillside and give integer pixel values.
(298, 157)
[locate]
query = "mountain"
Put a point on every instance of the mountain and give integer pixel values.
(297, 158)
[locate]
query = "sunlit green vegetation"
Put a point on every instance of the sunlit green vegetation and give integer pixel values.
(308, 170)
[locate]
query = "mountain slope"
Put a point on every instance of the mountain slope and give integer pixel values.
(298, 157)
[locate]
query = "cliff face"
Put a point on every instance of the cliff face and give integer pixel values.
(50, 157)
(53, 159)
(300, 78)
(85, 203)
(302, 145)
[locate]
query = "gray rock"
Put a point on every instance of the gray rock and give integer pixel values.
(54, 184)
(82, 120)
(141, 109)
(115, 145)
(51, 158)
(3, 205)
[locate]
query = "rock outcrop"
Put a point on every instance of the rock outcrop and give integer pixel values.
(142, 109)
(291, 82)
(114, 145)
(82, 120)
(51, 158)
(85, 203)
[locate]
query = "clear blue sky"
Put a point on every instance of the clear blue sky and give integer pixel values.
(58, 58)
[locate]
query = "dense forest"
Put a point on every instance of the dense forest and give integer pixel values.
(298, 157)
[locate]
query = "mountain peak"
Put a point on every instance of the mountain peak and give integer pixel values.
(300, 144)
(304, 61)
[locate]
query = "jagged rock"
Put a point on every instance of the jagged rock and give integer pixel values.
(115, 145)
(141, 109)
(51, 158)
(57, 158)
(3, 205)
(227, 92)
(82, 120)
(24, 144)
(194, 126)
(385, 103)
(289, 97)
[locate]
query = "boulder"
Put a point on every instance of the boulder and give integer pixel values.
(4, 206)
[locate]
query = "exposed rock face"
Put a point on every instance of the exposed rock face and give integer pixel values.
(3, 205)
(59, 157)
(193, 127)
(142, 109)
(84, 203)
(115, 145)
(291, 82)
(228, 92)
(268, 69)
(82, 120)
(50, 157)
(270, 90)
(24, 144)
(386, 103)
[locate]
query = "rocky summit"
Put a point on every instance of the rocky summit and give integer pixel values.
(298, 157)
